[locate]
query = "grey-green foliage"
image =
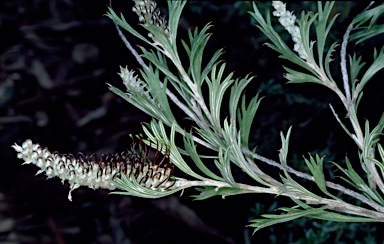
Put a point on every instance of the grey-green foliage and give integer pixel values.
(166, 79)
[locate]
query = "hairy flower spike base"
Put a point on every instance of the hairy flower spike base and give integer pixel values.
(100, 171)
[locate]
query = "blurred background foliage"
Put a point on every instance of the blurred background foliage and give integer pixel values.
(55, 58)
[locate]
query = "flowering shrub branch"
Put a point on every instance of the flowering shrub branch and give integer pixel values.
(158, 85)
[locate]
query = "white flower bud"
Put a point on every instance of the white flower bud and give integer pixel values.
(287, 20)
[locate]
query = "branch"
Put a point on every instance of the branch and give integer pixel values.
(331, 185)
(343, 64)
(336, 205)
(349, 105)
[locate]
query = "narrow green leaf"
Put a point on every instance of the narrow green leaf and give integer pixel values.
(371, 137)
(322, 29)
(294, 76)
(211, 191)
(305, 23)
(381, 152)
(190, 148)
(124, 24)
(376, 66)
(355, 66)
(332, 216)
(328, 60)
(358, 182)
(141, 103)
(187, 49)
(283, 152)
(341, 123)
(365, 33)
(236, 90)
(225, 168)
(292, 186)
(212, 62)
(174, 9)
(372, 14)
(271, 219)
(246, 116)
(246, 164)
(217, 87)
(132, 188)
(316, 168)
(197, 50)
(159, 63)
(158, 92)
(328, 215)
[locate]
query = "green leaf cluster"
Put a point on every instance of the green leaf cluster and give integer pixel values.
(199, 89)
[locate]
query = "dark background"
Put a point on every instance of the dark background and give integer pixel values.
(55, 60)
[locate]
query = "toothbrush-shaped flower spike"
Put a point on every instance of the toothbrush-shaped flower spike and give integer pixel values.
(135, 84)
(100, 171)
(287, 20)
(149, 14)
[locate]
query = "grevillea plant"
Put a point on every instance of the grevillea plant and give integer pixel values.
(198, 89)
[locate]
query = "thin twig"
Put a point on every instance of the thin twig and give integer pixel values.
(343, 56)
(331, 185)
(336, 205)
(130, 48)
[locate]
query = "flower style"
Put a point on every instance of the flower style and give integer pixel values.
(99, 172)
(149, 13)
(287, 20)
